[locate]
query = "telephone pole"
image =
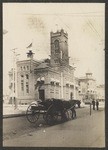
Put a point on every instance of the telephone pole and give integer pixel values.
(14, 87)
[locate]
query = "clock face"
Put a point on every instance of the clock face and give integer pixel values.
(56, 44)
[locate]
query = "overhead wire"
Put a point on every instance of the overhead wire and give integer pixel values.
(92, 26)
(81, 13)
(65, 14)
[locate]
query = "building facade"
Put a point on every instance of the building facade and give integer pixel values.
(50, 78)
(101, 92)
(87, 87)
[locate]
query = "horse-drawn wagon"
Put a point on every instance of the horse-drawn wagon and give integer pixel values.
(52, 111)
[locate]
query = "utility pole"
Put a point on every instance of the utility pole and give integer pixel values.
(14, 88)
(90, 108)
(74, 88)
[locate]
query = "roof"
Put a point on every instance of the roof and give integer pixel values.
(101, 86)
(88, 72)
(82, 78)
(85, 78)
(42, 66)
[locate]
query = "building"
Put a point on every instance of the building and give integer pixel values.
(87, 87)
(101, 92)
(50, 78)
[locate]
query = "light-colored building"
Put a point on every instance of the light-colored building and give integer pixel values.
(101, 92)
(50, 78)
(87, 87)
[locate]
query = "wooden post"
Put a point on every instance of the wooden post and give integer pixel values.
(90, 109)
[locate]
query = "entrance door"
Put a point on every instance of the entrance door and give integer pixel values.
(42, 95)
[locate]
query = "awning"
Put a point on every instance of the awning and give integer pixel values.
(38, 79)
(71, 83)
(57, 81)
(76, 85)
(67, 83)
(52, 80)
(88, 90)
(42, 79)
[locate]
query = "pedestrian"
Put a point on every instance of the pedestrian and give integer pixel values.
(93, 102)
(97, 104)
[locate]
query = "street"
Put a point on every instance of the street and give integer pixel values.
(84, 131)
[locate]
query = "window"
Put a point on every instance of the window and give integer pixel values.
(51, 91)
(24, 67)
(27, 67)
(14, 86)
(22, 76)
(56, 61)
(71, 95)
(27, 76)
(38, 82)
(22, 85)
(57, 91)
(27, 87)
(56, 44)
(11, 85)
(71, 86)
(57, 83)
(52, 83)
(67, 84)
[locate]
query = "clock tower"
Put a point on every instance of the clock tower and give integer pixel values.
(59, 48)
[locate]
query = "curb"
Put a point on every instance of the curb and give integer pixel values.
(13, 115)
(21, 114)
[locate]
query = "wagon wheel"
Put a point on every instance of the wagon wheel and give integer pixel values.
(32, 114)
(65, 116)
(44, 116)
(51, 118)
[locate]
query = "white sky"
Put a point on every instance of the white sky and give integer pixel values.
(32, 22)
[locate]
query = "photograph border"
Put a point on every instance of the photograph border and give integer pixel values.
(1, 72)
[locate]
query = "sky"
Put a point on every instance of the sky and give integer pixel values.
(33, 22)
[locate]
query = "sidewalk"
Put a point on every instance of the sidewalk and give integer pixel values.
(11, 111)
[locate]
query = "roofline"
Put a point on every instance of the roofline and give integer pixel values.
(28, 61)
(47, 69)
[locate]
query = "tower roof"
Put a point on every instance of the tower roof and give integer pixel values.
(59, 33)
(88, 72)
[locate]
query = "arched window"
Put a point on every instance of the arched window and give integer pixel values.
(56, 44)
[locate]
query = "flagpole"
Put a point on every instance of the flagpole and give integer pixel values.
(32, 44)
(30, 53)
